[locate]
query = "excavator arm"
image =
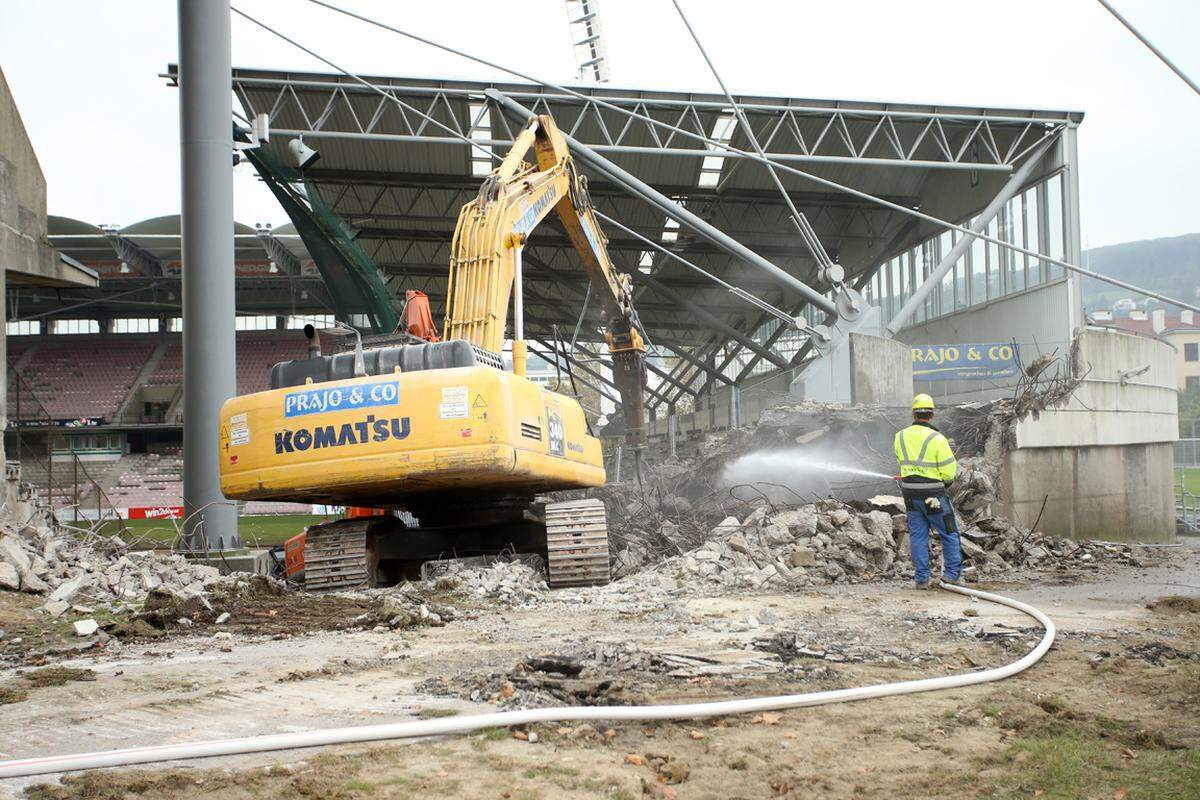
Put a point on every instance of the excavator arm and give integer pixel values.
(486, 263)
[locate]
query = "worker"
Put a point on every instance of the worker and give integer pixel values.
(927, 466)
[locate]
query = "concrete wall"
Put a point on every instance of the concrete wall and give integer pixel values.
(22, 196)
(1113, 493)
(880, 371)
(1036, 319)
(1102, 461)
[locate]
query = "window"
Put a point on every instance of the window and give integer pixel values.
(1016, 235)
(481, 131)
(986, 271)
(256, 323)
(134, 325)
(670, 230)
(24, 327)
(175, 325)
(75, 326)
(1191, 351)
(710, 167)
(1033, 237)
(1054, 226)
(978, 272)
(297, 322)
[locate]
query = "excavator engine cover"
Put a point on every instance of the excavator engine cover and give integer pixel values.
(383, 360)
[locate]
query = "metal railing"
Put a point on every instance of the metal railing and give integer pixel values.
(1187, 503)
(71, 481)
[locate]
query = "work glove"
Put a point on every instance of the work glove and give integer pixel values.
(933, 504)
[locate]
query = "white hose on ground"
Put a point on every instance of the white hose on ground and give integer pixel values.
(436, 727)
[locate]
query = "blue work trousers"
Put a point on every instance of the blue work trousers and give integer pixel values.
(920, 521)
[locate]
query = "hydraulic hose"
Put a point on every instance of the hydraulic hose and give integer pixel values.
(452, 725)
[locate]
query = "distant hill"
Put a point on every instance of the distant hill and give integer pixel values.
(1170, 266)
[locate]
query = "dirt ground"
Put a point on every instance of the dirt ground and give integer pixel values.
(1110, 712)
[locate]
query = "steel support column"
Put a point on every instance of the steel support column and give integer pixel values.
(1071, 228)
(206, 150)
(1010, 188)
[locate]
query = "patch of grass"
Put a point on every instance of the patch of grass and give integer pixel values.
(549, 772)
(438, 713)
(1177, 602)
(989, 710)
(493, 734)
(255, 531)
(1191, 480)
(1074, 765)
(11, 694)
(358, 786)
(57, 676)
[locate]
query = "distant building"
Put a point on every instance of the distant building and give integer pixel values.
(1182, 331)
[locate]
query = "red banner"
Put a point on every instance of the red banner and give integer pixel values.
(155, 512)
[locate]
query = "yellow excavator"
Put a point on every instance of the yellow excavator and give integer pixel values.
(439, 429)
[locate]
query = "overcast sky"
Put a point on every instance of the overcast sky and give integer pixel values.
(105, 127)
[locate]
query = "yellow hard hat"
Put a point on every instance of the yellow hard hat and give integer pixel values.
(922, 402)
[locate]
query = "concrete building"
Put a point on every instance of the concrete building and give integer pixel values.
(26, 258)
(1099, 464)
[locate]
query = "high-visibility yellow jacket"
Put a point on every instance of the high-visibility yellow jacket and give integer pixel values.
(923, 452)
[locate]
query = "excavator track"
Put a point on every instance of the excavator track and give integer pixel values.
(577, 544)
(335, 555)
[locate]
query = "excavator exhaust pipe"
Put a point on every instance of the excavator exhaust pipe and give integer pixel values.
(314, 341)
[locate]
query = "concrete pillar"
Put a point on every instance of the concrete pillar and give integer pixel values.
(3, 360)
(672, 429)
(206, 150)
(1072, 241)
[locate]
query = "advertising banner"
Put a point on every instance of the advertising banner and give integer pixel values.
(965, 362)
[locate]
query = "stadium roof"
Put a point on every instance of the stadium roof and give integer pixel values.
(399, 180)
(396, 182)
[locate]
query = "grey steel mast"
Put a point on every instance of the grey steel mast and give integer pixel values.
(206, 150)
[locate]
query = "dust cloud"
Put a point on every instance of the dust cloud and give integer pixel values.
(807, 472)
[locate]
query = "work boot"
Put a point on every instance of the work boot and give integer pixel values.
(953, 581)
(922, 586)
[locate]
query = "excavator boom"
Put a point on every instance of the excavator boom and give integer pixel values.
(486, 260)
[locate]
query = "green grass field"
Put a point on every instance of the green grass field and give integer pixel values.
(1191, 480)
(259, 531)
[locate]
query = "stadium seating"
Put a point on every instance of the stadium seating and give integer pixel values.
(148, 479)
(258, 351)
(72, 377)
(78, 377)
(169, 370)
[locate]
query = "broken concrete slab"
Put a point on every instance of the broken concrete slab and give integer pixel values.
(70, 589)
(56, 608)
(86, 627)
(10, 579)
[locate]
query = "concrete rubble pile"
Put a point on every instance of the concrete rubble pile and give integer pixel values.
(509, 582)
(67, 568)
(834, 542)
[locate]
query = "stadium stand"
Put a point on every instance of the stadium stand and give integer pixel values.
(170, 367)
(90, 377)
(149, 479)
(257, 352)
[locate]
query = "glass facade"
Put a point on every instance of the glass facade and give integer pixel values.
(1032, 219)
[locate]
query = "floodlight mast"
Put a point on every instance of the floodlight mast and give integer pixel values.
(206, 145)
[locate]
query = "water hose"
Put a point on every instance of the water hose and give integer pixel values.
(439, 727)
